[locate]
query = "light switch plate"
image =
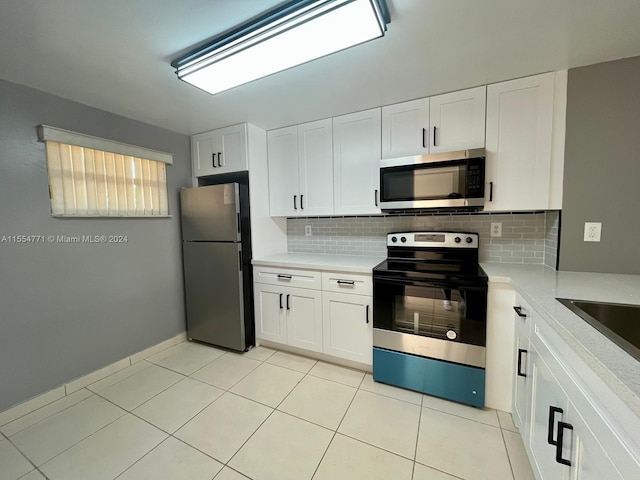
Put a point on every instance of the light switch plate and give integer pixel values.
(592, 231)
(307, 230)
(496, 229)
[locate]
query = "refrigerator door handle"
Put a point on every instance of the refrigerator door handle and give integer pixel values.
(240, 259)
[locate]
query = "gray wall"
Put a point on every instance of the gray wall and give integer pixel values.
(69, 309)
(602, 168)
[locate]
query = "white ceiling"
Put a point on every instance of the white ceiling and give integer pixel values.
(115, 54)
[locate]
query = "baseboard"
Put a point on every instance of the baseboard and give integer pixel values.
(316, 355)
(57, 393)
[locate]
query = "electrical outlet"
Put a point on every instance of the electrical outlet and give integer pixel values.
(592, 231)
(307, 230)
(496, 229)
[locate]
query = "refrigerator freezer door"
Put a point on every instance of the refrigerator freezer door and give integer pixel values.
(213, 291)
(211, 213)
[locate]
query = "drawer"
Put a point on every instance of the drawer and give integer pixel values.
(356, 283)
(288, 277)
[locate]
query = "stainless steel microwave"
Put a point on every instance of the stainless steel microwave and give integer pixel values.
(447, 180)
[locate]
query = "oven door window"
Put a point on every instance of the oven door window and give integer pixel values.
(453, 313)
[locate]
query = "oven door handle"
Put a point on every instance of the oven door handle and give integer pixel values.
(430, 283)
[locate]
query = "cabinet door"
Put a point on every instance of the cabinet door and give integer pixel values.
(348, 326)
(405, 129)
(315, 161)
(304, 318)
(232, 149)
(519, 139)
(521, 382)
(271, 322)
(203, 158)
(356, 162)
(282, 146)
(588, 458)
(545, 393)
(457, 120)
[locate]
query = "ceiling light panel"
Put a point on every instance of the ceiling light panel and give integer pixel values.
(297, 33)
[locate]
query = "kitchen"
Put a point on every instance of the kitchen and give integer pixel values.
(97, 306)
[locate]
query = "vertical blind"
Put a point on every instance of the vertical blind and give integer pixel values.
(86, 182)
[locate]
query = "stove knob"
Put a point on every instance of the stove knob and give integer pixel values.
(457, 239)
(394, 239)
(469, 240)
(403, 239)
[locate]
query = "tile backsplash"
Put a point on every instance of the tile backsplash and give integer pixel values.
(526, 237)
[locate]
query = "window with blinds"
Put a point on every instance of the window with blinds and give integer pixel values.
(89, 182)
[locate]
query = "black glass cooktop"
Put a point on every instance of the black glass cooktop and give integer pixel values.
(618, 322)
(445, 272)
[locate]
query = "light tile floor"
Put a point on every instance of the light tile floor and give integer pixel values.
(194, 412)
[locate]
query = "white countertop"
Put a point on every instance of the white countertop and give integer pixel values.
(540, 285)
(317, 261)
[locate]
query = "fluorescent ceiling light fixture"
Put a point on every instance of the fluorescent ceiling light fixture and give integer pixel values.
(290, 35)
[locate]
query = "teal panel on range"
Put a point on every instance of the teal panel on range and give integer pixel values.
(453, 381)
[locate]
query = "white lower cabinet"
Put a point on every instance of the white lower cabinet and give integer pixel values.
(289, 315)
(568, 433)
(348, 326)
(332, 315)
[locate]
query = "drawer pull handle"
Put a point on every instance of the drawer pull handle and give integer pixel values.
(552, 421)
(345, 282)
(284, 277)
(518, 310)
(520, 352)
(562, 426)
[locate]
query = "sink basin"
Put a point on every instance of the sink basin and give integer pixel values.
(619, 322)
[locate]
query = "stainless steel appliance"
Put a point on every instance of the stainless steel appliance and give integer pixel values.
(446, 180)
(216, 247)
(429, 315)
(618, 322)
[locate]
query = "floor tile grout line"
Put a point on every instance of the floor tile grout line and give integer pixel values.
(136, 461)
(24, 455)
(415, 450)
(506, 450)
(78, 442)
(439, 470)
(464, 418)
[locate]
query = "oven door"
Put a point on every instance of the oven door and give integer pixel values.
(445, 321)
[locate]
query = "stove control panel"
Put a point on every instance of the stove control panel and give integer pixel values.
(433, 239)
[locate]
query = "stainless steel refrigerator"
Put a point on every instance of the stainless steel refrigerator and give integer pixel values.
(216, 247)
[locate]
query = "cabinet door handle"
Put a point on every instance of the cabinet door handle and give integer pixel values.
(219, 159)
(284, 277)
(288, 302)
(424, 134)
(281, 301)
(367, 314)
(213, 160)
(302, 202)
(491, 191)
(295, 202)
(552, 421)
(562, 426)
(520, 352)
(518, 310)
(345, 282)
(375, 197)
(434, 135)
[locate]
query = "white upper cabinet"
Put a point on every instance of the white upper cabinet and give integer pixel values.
(405, 129)
(444, 123)
(520, 116)
(457, 120)
(219, 151)
(315, 160)
(301, 169)
(356, 162)
(282, 151)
